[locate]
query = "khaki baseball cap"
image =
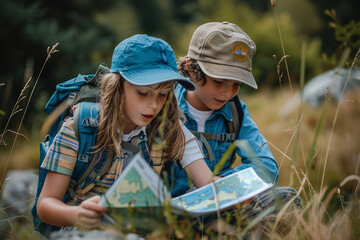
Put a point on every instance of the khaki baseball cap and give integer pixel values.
(223, 50)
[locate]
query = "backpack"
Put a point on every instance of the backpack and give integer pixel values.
(84, 90)
(232, 132)
(232, 129)
(82, 94)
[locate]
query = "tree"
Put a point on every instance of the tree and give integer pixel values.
(28, 28)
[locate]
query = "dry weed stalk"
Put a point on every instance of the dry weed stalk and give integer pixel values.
(16, 109)
(21, 97)
(356, 59)
(273, 3)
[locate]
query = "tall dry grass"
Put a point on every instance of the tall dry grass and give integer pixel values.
(17, 110)
(11, 228)
(318, 155)
(328, 213)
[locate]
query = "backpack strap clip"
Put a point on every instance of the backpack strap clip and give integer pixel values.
(83, 158)
(129, 147)
(90, 122)
(224, 137)
(71, 98)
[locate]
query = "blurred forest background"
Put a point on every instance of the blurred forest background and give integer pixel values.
(315, 33)
(88, 31)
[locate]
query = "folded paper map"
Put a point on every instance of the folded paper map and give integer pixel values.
(141, 193)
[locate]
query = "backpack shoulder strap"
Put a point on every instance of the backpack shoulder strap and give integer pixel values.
(232, 128)
(237, 114)
(88, 164)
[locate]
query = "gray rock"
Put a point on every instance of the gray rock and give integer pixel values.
(19, 192)
(332, 83)
(18, 197)
(95, 234)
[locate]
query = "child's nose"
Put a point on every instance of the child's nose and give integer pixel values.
(227, 90)
(152, 103)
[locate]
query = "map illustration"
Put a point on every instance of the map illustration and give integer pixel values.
(223, 193)
(137, 186)
(141, 189)
(133, 189)
(136, 198)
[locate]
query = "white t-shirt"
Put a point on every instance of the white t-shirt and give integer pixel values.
(192, 150)
(199, 116)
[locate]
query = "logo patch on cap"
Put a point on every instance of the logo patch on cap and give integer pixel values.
(240, 52)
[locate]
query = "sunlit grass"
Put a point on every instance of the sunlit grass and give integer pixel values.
(325, 214)
(317, 151)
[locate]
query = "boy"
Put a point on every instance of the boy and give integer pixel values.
(219, 59)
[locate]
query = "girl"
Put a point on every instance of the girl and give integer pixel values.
(131, 104)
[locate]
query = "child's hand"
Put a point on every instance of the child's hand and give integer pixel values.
(216, 178)
(89, 213)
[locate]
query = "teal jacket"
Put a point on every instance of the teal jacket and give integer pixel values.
(264, 163)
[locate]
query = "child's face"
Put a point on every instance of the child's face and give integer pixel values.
(214, 94)
(143, 103)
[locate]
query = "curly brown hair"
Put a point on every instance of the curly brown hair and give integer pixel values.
(164, 128)
(186, 64)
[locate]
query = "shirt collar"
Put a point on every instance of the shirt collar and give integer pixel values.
(136, 132)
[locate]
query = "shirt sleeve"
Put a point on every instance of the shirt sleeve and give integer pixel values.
(192, 150)
(62, 153)
(264, 163)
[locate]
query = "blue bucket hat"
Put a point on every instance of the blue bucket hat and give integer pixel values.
(144, 60)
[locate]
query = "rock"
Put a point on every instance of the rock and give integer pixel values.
(95, 234)
(18, 197)
(19, 192)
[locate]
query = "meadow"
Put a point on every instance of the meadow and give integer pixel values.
(317, 150)
(329, 187)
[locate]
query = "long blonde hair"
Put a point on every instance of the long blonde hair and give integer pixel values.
(111, 123)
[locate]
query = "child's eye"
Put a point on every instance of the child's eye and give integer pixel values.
(142, 93)
(218, 82)
(163, 94)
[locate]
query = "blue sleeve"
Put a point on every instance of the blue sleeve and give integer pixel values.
(262, 160)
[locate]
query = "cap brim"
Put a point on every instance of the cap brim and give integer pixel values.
(145, 77)
(228, 72)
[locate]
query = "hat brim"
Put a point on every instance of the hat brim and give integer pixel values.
(228, 72)
(145, 77)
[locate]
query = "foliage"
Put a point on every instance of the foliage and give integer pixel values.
(26, 28)
(347, 35)
(88, 30)
(309, 25)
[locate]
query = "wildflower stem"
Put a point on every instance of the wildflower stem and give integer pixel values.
(49, 52)
(282, 48)
(345, 55)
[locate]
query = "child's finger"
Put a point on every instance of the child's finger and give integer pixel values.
(93, 204)
(89, 223)
(88, 213)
